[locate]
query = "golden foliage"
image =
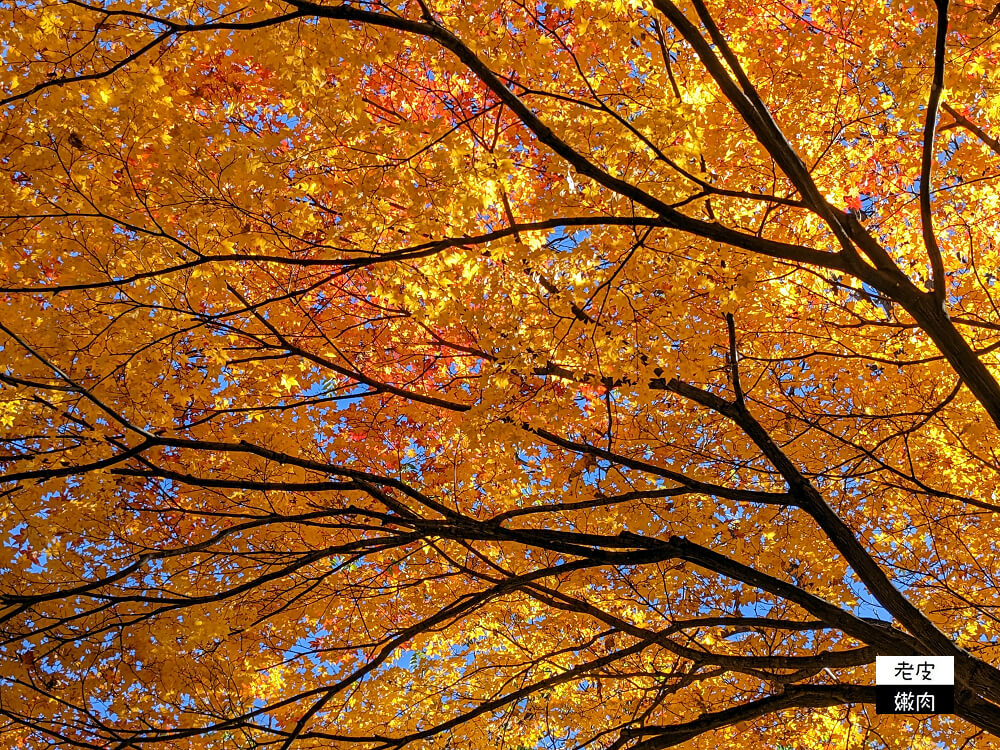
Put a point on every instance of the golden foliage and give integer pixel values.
(496, 374)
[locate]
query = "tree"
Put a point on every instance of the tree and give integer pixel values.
(496, 374)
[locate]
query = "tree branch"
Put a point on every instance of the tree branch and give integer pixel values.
(927, 154)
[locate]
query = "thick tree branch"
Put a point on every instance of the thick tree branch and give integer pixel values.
(794, 696)
(927, 154)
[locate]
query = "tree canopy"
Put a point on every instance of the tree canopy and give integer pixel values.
(496, 374)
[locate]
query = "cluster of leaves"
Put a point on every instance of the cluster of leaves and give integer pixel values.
(488, 373)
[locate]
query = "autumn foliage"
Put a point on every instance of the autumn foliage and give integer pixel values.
(490, 374)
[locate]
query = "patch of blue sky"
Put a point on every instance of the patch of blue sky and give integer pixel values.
(867, 605)
(561, 240)
(101, 708)
(637, 74)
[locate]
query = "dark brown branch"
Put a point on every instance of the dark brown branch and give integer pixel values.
(810, 500)
(670, 216)
(969, 125)
(744, 97)
(794, 696)
(414, 252)
(734, 361)
(985, 677)
(73, 385)
(692, 485)
(172, 30)
(927, 154)
(236, 484)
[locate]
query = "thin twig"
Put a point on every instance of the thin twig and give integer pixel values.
(734, 367)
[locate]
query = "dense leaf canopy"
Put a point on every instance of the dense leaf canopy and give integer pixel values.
(491, 374)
